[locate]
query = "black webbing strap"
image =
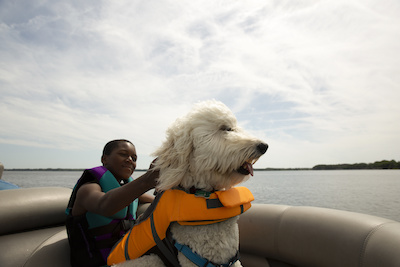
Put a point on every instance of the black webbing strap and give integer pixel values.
(113, 229)
(213, 203)
(169, 254)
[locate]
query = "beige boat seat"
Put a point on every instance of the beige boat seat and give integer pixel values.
(278, 236)
(32, 233)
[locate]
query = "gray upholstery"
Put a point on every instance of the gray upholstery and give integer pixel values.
(32, 231)
(29, 208)
(309, 236)
(32, 234)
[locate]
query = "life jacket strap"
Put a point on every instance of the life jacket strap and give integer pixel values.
(165, 250)
(123, 225)
(200, 261)
(107, 235)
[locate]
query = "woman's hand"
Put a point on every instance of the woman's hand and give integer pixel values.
(152, 174)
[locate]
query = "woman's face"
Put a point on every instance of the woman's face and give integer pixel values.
(122, 160)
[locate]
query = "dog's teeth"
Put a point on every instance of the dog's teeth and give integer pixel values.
(249, 167)
(252, 161)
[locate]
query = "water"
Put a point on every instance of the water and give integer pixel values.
(374, 192)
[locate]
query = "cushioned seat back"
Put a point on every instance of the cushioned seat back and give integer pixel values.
(310, 236)
(29, 208)
(32, 231)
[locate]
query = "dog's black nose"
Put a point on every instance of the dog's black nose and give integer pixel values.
(262, 148)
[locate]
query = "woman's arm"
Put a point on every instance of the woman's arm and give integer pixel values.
(90, 197)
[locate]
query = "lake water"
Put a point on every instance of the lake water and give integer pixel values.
(375, 192)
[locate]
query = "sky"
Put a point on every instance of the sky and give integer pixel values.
(319, 81)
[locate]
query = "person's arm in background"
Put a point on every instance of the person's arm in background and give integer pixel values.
(91, 198)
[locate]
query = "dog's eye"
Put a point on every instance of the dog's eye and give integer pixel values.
(226, 128)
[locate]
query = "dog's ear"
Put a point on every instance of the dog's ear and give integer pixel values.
(173, 157)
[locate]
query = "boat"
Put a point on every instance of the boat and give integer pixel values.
(6, 185)
(3, 184)
(32, 233)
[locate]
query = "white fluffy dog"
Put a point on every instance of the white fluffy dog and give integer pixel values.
(205, 150)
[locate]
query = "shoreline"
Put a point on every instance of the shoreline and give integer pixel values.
(265, 169)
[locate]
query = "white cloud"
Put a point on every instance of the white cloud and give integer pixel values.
(305, 75)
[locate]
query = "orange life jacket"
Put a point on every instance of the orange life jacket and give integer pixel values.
(178, 206)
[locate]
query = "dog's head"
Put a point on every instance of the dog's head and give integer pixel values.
(207, 150)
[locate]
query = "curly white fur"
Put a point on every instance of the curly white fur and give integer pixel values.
(204, 149)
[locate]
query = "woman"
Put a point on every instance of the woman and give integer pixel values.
(103, 204)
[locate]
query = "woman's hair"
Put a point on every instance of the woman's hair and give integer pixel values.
(110, 146)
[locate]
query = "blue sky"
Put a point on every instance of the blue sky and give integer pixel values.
(319, 81)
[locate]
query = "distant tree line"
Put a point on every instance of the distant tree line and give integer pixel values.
(384, 164)
(45, 169)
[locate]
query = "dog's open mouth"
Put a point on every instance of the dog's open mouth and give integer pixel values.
(247, 167)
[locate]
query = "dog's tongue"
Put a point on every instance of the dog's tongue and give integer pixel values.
(249, 167)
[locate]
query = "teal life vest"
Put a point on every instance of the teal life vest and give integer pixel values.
(91, 236)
